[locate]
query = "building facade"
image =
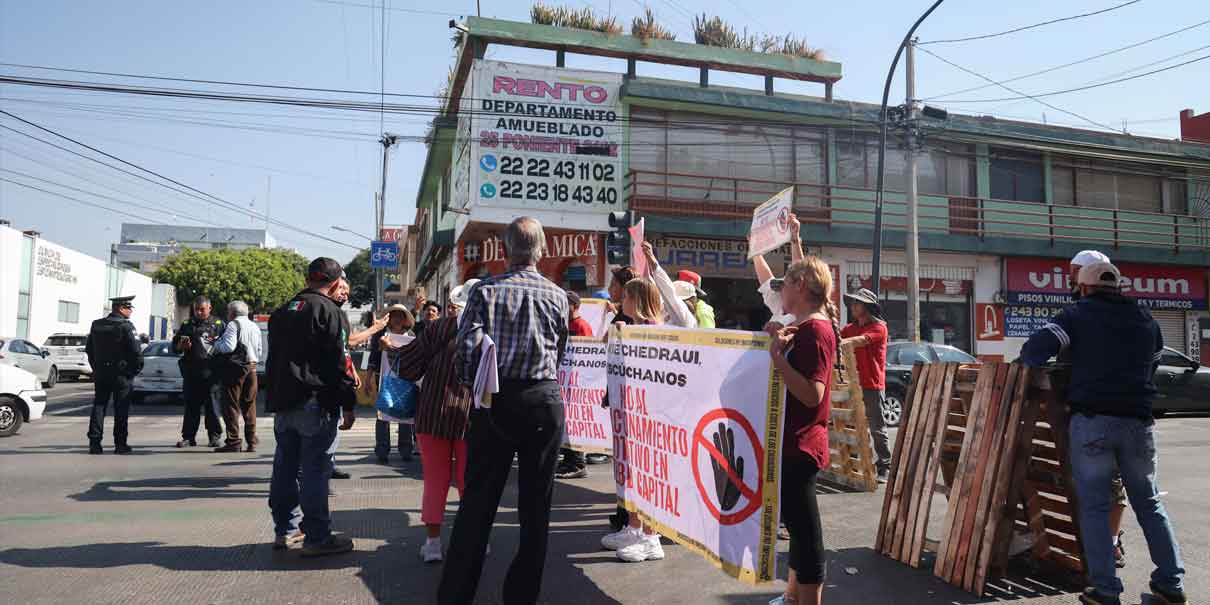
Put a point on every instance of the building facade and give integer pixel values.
(46, 288)
(146, 247)
(1003, 204)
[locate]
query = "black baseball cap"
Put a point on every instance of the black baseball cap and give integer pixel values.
(324, 269)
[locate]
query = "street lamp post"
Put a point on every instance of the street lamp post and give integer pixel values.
(351, 232)
(876, 268)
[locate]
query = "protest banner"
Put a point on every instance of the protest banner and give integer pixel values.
(697, 420)
(771, 223)
(582, 381)
(595, 311)
(638, 260)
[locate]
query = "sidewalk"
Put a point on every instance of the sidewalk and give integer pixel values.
(170, 524)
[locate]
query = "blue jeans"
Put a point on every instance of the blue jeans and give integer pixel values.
(302, 469)
(382, 439)
(1101, 446)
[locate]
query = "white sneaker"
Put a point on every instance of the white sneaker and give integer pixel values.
(621, 539)
(430, 552)
(648, 548)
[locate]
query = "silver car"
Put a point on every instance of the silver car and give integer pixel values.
(67, 352)
(31, 358)
(161, 375)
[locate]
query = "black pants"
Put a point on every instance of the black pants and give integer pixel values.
(526, 419)
(104, 388)
(199, 400)
(382, 439)
(800, 512)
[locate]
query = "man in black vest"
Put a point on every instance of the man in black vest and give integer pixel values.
(114, 354)
(195, 341)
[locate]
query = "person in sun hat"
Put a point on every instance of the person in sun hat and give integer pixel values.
(1114, 346)
(867, 333)
(400, 321)
(701, 310)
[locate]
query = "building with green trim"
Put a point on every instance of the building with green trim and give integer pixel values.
(1003, 203)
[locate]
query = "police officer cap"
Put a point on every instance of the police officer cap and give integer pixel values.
(122, 301)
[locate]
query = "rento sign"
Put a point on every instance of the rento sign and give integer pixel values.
(524, 87)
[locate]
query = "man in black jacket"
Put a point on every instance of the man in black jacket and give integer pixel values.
(1113, 345)
(113, 353)
(194, 341)
(311, 384)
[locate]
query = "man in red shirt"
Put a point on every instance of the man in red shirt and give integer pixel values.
(576, 325)
(867, 333)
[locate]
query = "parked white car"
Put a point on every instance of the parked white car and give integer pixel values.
(161, 375)
(67, 353)
(29, 357)
(21, 399)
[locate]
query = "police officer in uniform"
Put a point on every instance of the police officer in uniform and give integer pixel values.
(194, 341)
(114, 353)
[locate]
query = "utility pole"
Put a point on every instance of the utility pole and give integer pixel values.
(912, 248)
(387, 141)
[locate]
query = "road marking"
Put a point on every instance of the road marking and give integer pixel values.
(69, 410)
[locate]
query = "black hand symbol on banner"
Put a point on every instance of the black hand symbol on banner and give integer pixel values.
(727, 490)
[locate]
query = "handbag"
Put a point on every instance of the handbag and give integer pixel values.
(397, 397)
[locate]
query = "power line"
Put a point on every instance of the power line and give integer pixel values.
(414, 11)
(1072, 63)
(1080, 88)
(174, 215)
(76, 200)
(1010, 89)
(229, 205)
(1035, 25)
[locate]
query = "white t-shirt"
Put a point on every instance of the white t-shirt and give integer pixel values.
(773, 302)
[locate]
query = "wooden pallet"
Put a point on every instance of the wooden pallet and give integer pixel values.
(852, 457)
(989, 432)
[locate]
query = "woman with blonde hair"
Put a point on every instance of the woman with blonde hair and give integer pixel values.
(636, 542)
(805, 353)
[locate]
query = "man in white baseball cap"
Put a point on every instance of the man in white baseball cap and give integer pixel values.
(1083, 259)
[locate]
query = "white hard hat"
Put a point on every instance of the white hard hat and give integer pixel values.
(1089, 257)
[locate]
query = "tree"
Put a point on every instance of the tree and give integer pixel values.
(263, 278)
(361, 279)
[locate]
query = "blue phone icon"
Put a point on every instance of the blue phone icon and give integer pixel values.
(487, 190)
(487, 162)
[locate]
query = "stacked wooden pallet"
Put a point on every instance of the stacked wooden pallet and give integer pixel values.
(852, 457)
(980, 429)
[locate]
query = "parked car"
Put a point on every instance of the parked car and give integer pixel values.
(900, 356)
(161, 375)
(31, 358)
(67, 353)
(21, 399)
(1184, 384)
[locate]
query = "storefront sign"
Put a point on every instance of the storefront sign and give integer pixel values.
(1020, 321)
(989, 322)
(50, 264)
(1044, 281)
(711, 257)
(563, 251)
(771, 223)
(390, 234)
(696, 426)
(928, 285)
(545, 138)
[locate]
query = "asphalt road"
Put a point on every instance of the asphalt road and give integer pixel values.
(169, 525)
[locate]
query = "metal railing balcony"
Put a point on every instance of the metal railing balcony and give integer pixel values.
(681, 194)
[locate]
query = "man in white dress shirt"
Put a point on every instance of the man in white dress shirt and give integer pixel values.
(237, 353)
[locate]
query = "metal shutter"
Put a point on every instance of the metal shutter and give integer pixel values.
(1172, 326)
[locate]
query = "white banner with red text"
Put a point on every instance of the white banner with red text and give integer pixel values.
(696, 419)
(582, 381)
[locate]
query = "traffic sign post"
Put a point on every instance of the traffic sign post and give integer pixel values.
(384, 255)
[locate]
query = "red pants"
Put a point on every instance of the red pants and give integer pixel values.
(438, 458)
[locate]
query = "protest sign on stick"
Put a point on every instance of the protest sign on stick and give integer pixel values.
(696, 423)
(637, 259)
(582, 382)
(771, 223)
(595, 311)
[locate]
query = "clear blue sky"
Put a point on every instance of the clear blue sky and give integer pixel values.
(324, 166)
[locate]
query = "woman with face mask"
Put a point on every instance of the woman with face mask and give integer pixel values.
(441, 413)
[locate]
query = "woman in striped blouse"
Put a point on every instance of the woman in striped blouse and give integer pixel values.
(441, 414)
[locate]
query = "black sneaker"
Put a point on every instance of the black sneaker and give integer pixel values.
(883, 476)
(1091, 596)
(596, 459)
(1119, 551)
(1168, 595)
(339, 474)
(94, 447)
(384, 460)
(122, 449)
(334, 545)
